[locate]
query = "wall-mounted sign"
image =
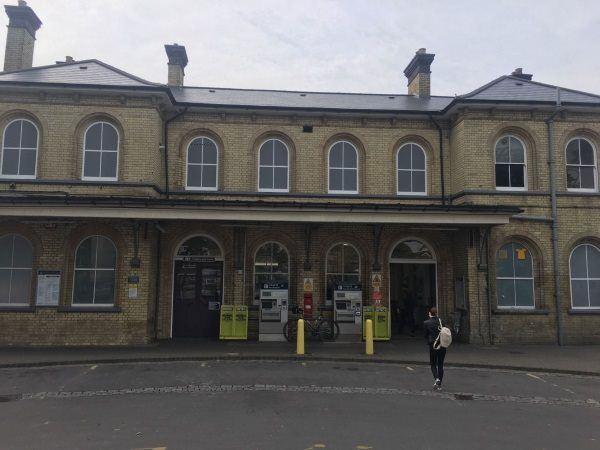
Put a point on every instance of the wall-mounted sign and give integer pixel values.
(48, 288)
(348, 287)
(274, 285)
(132, 286)
(376, 281)
(308, 285)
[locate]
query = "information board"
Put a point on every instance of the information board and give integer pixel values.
(48, 288)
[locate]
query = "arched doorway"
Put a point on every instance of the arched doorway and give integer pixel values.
(413, 285)
(197, 288)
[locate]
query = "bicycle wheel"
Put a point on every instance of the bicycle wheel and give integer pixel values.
(329, 330)
(290, 331)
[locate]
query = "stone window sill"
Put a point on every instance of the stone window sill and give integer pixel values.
(91, 309)
(584, 311)
(521, 312)
(8, 308)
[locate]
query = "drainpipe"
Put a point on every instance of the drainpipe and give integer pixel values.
(441, 137)
(157, 279)
(554, 221)
(166, 146)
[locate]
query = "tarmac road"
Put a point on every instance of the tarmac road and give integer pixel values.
(293, 405)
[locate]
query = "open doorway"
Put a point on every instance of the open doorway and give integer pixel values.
(413, 287)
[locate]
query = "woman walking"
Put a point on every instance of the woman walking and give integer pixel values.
(432, 326)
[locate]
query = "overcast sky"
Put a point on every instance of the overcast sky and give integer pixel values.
(330, 45)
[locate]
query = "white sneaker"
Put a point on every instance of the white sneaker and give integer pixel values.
(438, 385)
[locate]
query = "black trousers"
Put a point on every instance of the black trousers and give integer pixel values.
(436, 359)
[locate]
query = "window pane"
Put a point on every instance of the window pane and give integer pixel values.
(10, 161)
(266, 153)
(418, 158)
(418, 181)
(83, 290)
(209, 176)
(587, 178)
(517, 175)
(524, 290)
(266, 178)
(523, 267)
(199, 246)
(517, 152)
(280, 156)
(335, 262)
(6, 245)
(105, 287)
(502, 175)
(23, 253)
(579, 294)
(595, 294)
(5, 275)
(29, 136)
(195, 151)
(573, 152)
(504, 262)
(109, 164)
(12, 135)
(587, 152)
(27, 166)
(350, 181)
(110, 138)
(350, 156)
(280, 259)
(92, 137)
(404, 181)
(573, 180)
(336, 155)
(92, 164)
(404, 157)
(502, 151)
(593, 255)
(280, 181)
(351, 260)
(210, 152)
(506, 292)
(107, 254)
(20, 289)
(86, 254)
(578, 263)
(194, 176)
(335, 179)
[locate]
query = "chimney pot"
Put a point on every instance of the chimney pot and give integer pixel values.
(69, 59)
(20, 37)
(177, 61)
(518, 73)
(418, 73)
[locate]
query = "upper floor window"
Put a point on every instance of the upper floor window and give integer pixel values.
(94, 278)
(343, 168)
(581, 165)
(16, 259)
(511, 167)
(101, 152)
(19, 149)
(514, 276)
(585, 276)
(202, 163)
(411, 170)
(273, 165)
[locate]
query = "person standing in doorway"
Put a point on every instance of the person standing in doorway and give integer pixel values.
(432, 326)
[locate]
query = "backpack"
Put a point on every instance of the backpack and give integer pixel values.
(444, 339)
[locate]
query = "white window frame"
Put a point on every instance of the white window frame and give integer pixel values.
(525, 168)
(411, 170)
(588, 279)
(95, 269)
(37, 146)
(595, 166)
(335, 191)
(17, 268)
(202, 164)
(273, 166)
(118, 151)
(532, 278)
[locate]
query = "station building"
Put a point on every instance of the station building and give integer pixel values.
(130, 211)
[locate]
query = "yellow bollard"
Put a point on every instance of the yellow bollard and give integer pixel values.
(369, 337)
(300, 338)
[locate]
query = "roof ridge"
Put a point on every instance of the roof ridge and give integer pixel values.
(539, 83)
(48, 66)
(125, 74)
(482, 88)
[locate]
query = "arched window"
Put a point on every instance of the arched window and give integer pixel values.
(94, 279)
(200, 246)
(271, 264)
(581, 165)
(101, 152)
(19, 149)
(585, 276)
(202, 163)
(343, 168)
(411, 170)
(511, 166)
(412, 250)
(514, 276)
(16, 260)
(273, 164)
(342, 266)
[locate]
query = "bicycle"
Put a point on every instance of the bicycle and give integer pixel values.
(320, 328)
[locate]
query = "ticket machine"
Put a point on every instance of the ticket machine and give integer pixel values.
(347, 308)
(273, 311)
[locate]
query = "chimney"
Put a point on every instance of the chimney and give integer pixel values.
(419, 74)
(177, 61)
(518, 73)
(20, 39)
